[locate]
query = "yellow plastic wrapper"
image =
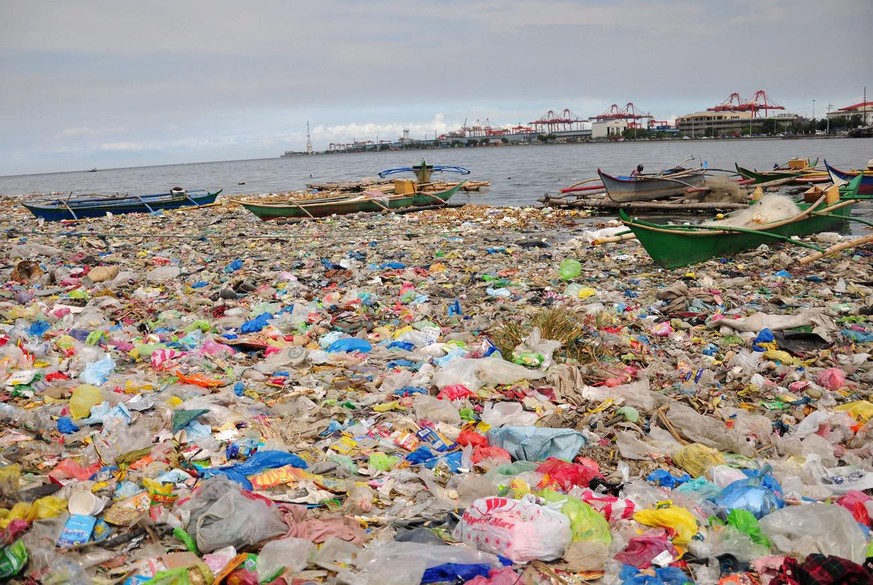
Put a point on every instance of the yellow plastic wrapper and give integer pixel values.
(84, 397)
(47, 507)
(860, 410)
(783, 357)
(696, 458)
(680, 520)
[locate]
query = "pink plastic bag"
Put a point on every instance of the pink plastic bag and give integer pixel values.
(831, 378)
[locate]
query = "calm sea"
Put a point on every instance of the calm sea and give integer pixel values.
(519, 175)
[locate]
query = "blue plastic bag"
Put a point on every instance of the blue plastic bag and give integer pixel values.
(760, 494)
(348, 344)
(96, 373)
(256, 324)
(233, 266)
(255, 464)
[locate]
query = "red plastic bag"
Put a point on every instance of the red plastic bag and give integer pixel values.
(454, 392)
(854, 502)
(470, 437)
(480, 453)
(565, 475)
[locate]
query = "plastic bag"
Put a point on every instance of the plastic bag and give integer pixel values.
(433, 409)
(825, 528)
(97, 372)
(221, 515)
(283, 554)
(565, 475)
(402, 563)
(537, 443)
(858, 503)
(586, 524)
(490, 371)
(520, 530)
(84, 397)
(679, 520)
(696, 458)
(255, 464)
(508, 414)
(759, 494)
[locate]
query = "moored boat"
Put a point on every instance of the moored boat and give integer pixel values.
(838, 176)
(402, 195)
(674, 246)
(65, 208)
(797, 177)
(651, 187)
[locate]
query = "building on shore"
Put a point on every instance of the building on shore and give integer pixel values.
(860, 114)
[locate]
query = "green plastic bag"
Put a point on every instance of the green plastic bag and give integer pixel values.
(745, 522)
(12, 559)
(586, 523)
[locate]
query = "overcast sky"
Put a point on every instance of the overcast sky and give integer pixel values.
(119, 83)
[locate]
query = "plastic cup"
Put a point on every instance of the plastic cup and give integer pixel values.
(85, 503)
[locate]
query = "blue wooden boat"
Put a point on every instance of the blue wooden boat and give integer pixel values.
(61, 208)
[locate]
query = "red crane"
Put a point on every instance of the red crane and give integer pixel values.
(629, 112)
(557, 122)
(759, 101)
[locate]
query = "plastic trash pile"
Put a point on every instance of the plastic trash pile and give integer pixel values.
(440, 397)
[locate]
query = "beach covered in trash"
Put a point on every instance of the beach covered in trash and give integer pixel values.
(473, 395)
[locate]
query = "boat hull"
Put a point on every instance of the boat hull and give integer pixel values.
(866, 187)
(60, 209)
(677, 246)
(344, 205)
(793, 177)
(623, 190)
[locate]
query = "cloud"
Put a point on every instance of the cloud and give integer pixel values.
(86, 131)
(241, 81)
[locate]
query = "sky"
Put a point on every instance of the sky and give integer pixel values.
(116, 83)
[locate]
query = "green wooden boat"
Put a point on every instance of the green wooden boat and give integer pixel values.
(673, 246)
(396, 199)
(802, 177)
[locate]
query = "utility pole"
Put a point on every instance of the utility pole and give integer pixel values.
(813, 116)
(828, 131)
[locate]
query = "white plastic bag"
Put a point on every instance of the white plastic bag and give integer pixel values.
(285, 553)
(520, 530)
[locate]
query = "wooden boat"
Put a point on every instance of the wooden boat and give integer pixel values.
(402, 195)
(797, 177)
(651, 187)
(839, 176)
(57, 209)
(673, 246)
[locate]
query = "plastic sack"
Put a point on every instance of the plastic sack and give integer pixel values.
(586, 524)
(815, 528)
(537, 443)
(221, 515)
(696, 458)
(679, 520)
(283, 554)
(520, 530)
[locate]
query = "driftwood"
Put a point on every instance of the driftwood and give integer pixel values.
(681, 205)
(837, 248)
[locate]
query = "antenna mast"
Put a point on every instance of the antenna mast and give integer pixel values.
(308, 140)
